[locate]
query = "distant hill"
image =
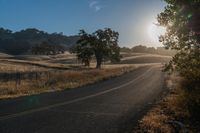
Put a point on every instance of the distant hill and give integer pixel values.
(149, 50)
(23, 41)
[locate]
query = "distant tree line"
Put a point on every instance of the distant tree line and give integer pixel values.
(150, 50)
(47, 49)
(34, 41)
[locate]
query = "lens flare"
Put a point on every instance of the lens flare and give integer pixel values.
(154, 31)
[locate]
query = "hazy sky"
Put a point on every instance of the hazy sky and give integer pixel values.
(133, 19)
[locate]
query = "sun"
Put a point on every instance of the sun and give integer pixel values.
(154, 31)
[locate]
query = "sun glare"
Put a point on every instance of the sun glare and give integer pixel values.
(155, 31)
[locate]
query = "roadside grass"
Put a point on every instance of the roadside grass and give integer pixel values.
(172, 113)
(57, 80)
(12, 67)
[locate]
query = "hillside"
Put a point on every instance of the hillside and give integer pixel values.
(23, 41)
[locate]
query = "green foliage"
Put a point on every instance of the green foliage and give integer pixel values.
(189, 98)
(115, 54)
(102, 44)
(182, 20)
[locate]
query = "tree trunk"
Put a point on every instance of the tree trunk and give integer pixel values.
(99, 62)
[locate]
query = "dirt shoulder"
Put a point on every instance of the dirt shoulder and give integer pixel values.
(169, 115)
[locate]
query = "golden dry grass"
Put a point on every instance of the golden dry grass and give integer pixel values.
(34, 64)
(11, 67)
(60, 80)
(155, 122)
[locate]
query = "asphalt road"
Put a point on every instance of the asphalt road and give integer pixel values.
(110, 106)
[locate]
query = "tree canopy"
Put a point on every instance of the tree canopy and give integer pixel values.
(182, 20)
(103, 44)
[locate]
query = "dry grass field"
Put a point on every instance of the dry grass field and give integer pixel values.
(27, 75)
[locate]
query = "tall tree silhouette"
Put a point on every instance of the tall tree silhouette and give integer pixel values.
(102, 43)
(182, 20)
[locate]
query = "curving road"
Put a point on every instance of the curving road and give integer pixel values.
(110, 106)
